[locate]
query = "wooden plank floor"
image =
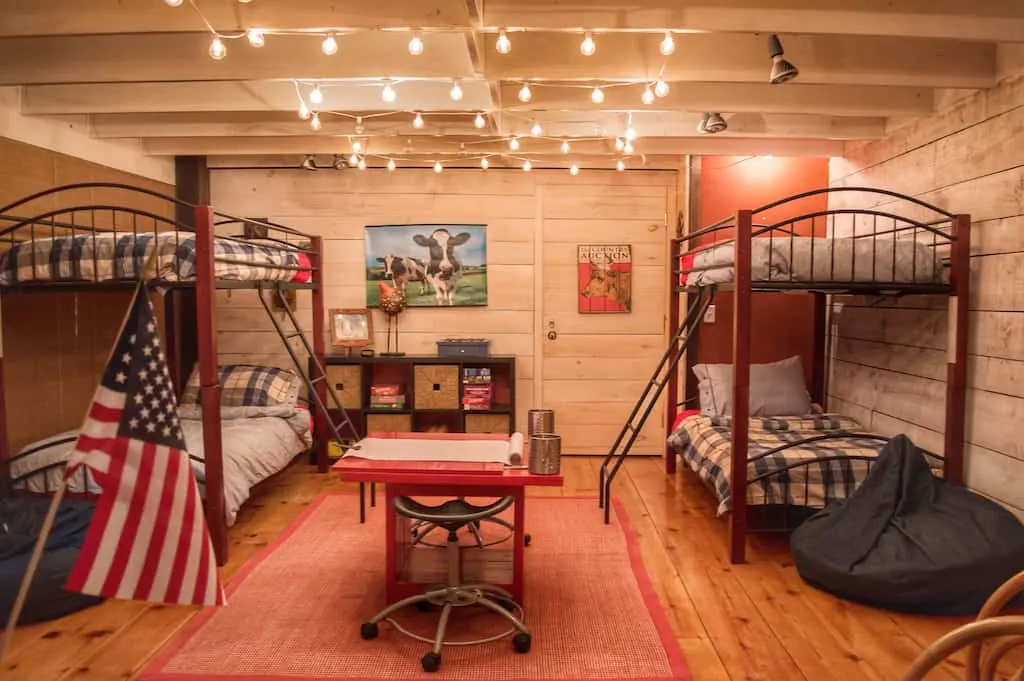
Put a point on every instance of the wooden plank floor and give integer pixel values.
(752, 622)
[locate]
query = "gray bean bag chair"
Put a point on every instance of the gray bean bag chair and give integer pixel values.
(21, 518)
(909, 541)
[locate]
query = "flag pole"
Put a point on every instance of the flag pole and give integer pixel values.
(148, 273)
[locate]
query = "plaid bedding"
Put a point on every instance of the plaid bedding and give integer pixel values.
(246, 385)
(704, 443)
(108, 256)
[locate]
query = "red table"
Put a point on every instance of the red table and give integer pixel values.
(446, 480)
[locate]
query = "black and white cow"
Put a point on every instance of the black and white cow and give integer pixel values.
(443, 266)
(401, 269)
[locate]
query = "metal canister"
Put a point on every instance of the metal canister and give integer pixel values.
(545, 455)
(540, 421)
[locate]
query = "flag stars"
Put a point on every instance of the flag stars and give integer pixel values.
(126, 358)
(166, 431)
(120, 377)
(150, 327)
(147, 350)
(133, 424)
(150, 428)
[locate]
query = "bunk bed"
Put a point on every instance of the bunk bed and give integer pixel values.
(875, 243)
(88, 245)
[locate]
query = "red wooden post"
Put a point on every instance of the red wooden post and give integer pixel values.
(956, 362)
(209, 383)
(740, 388)
(673, 378)
(819, 363)
(322, 432)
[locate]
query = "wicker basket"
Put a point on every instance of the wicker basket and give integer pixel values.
(436, 386)
(348, 383)
(389, 423)
(487, 423)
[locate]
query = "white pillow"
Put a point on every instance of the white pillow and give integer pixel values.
(776, 388)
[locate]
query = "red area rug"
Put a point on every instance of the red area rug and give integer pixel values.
(294, 611)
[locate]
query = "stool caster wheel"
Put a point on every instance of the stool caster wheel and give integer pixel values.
(368, 630)
(527, 539)
(431, 662)
(521, 642)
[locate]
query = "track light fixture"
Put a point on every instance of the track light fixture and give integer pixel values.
(711, 123)
(308, 163)
(782, 69)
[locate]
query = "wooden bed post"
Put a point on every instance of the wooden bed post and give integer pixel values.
(819, 363)
(316, 261)
(740, 388)
(673, 377)
(956, 350)
(5, 444)
(209, 383)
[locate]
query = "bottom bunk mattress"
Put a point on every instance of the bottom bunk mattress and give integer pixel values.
(835, 466)
(254, 448)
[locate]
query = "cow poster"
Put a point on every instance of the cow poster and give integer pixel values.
(605, 278)
(435, 265)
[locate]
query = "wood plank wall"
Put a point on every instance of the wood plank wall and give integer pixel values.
(55, 344)
(889, 369)
(531, 218)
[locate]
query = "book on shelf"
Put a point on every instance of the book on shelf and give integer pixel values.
(386, 397)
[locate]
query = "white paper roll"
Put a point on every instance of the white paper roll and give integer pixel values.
(515, 449)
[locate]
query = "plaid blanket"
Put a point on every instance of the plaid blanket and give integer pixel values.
(108, 256)
(704, 443)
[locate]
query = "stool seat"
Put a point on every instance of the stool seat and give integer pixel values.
(451, 514)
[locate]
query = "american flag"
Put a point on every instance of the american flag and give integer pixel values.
(148, 539)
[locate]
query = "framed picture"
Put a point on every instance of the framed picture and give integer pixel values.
(605, 278)
(435, 265)
(351, 328)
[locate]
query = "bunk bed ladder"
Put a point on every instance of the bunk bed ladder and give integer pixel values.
(649, 398)
(341, 430)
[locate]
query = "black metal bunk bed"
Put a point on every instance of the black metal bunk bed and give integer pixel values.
(85, 245)
(879, 243)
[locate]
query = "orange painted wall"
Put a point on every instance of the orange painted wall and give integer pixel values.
(782, 323)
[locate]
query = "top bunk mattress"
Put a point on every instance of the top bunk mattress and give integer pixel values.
(818, 259)
(112, 256)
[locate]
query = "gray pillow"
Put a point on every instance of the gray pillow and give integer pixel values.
(776, 388)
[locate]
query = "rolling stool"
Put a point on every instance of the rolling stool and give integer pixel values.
(421, 528)
(453, 515)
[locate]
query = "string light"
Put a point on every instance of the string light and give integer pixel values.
(456, 92)
(536, 130)
(255, 37)
(484, 163)
(391, 164)
(357, 146)
(565, 146)
(588, 46)
(315, 122)
(388, 93)
(620, 166)
(217, 49)
(316, 95)
(513, 144)
(525, 95)
(574, 169)
(479, 121)
(174, 3)
(630, 133)
(362, 164)
(353, 160)
(628, 147)
(648, 96)
(303, 111)
(438, 167)
(661, 88)
(668, 45)
(527, 166)
(416, 44)
(329, 45)
(418, 121)
(619, 144)
(597, 95)
(503, 45)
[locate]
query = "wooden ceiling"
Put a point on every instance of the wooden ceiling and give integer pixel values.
(142, 69)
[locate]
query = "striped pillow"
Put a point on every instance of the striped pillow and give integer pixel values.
(247, 385)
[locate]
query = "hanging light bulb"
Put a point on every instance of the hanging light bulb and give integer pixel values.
(597, 95)
(668, 45)
(525, 94)
(479, 121)
(619, 144)
(303, 111)
(362, 164)
(630, 133)
(418, 121)
(456, 92)
(391, 164)
(438, 167)
(217, 49)
(628, 147)
(484, 163)
(316, 96)
(535, 129)
(660, 88)
(255, 37)
(513, 144)
(357, 146)
(527, 166)
(574, 169)
(388, 93)
(588, 46)
(416, 44)
(353, 160)
(314, 122)
(174, 3)
(620, 166)
(503, 44)
(648, 96)
(329, 45)
(565, 146)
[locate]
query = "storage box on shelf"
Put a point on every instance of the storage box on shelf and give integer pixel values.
(464, 393)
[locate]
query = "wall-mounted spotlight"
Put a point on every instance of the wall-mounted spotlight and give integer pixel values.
(308, 163)
(782, 69)
(711, 123)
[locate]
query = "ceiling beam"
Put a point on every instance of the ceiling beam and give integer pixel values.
(986, 20)
(436, 147)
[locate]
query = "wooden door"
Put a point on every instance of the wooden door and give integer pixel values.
(593, 367)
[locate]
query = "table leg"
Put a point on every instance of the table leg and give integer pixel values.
(519, 538)
(391, 551)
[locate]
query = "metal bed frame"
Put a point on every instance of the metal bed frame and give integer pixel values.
(940, 231)
(191, 335)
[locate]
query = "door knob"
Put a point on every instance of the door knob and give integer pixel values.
(552, 335)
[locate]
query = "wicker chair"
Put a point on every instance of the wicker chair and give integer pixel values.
(1006, 632)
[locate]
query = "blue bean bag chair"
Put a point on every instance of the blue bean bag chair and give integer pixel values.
(21, 519)
(908, 541)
